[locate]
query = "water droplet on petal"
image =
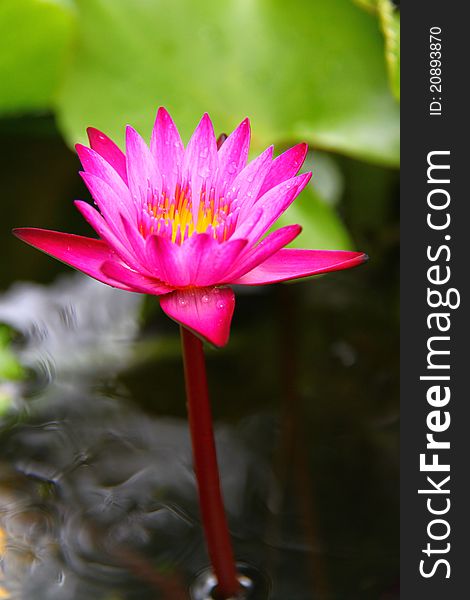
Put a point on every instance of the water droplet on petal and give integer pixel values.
(220, 305)
(232, 167)
(204, 172)
(205, 299)
(204, 152)
(250, 178)
(182, 302)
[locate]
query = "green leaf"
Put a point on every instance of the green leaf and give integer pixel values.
(34, 39)
(322, 228)
(10, 368)
(390, 23)
(369, 5)
(315, 209)
(306, 69)
(6, 402)
(389, 18)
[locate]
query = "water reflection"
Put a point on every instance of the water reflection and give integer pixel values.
(106, 504)
(76, 328)
(98, 500)
(97, 495)
(104, 499)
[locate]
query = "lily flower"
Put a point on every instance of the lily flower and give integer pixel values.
(185, 224)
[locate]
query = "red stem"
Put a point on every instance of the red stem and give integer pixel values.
(213, 515)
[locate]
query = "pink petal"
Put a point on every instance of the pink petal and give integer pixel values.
(82, 253)
(133, 279)
(216, 259)
(94, 164)
(266, 248)
(200, 261)
(271, 206)
(233, 155)
(102, 144)
(200, 161)
(135, 240)
(207, 312)
(290, 263)
(285, 166)
(112, 206)
(94, 218)
(167, 149)
(169, 263)
(246, 185)
(145, 182)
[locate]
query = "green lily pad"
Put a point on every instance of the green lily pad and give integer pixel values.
(34, 39)
(370, 5)
(390, 23)
(389, 18)
(315, 209)
(307, 69)
(10, 368)
(322, 229)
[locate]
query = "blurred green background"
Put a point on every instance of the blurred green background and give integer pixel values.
(321, 71)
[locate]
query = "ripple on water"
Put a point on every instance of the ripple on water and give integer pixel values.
(74, 329)
(97, 498)
(104, 500)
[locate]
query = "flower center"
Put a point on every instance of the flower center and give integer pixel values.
(175, 217)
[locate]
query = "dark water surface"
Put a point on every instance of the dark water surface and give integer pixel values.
(97, 494)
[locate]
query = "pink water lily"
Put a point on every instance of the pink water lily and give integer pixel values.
(186, 223)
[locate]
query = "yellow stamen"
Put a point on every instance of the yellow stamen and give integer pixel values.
(178, 212)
